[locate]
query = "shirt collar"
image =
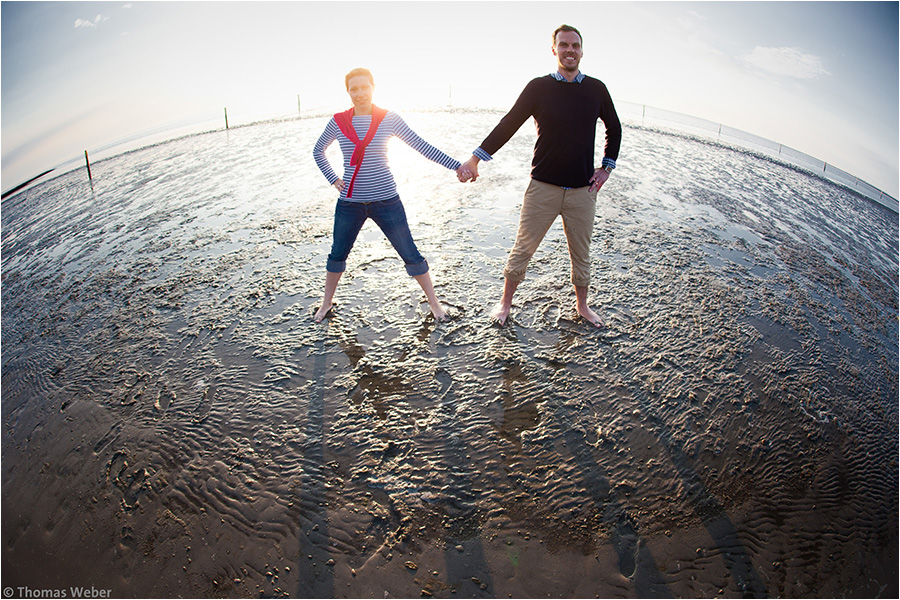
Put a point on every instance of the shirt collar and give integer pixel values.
(578, 78)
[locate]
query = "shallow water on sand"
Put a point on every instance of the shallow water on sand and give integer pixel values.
(174, 423)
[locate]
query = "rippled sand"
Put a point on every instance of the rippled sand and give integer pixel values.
(175, 424)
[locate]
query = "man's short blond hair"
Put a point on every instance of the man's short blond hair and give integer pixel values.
(566, 28)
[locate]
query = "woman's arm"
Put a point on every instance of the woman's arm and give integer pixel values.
(326, 139)
(414, 141)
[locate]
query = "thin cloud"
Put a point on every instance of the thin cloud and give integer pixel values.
(790, 62)
(82, 23)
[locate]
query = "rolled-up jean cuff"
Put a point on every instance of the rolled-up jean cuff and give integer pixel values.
(335, 266)
(416, 269)
(413, 269)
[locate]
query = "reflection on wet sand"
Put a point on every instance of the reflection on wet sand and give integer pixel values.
(169, 406)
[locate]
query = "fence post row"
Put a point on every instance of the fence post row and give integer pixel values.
(714, 131)
(882, 197)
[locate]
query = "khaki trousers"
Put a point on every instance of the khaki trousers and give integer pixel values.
(544, 202)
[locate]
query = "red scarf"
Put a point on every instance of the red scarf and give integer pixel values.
(344, 122)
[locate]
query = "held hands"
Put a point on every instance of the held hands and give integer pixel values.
(598, 179)
(468, 171)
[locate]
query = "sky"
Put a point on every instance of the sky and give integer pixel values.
(820, 77)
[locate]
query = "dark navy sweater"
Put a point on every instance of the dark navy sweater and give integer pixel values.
(566, 116)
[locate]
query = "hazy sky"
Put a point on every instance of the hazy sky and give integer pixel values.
(821, 77)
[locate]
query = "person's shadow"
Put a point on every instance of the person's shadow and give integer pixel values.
(314, 575)
(635, 560)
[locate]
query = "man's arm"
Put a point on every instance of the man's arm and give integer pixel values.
(511, 122)
(610, 119)
(502, 132)
(613, 140)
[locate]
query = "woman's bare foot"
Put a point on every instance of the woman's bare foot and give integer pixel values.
(323, 312)
(439, 313)
(331, 282)
(436, 309)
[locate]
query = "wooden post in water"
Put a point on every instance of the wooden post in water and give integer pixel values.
(226, 117)
(88, 163)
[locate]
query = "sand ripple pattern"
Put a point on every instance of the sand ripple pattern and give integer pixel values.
(170, 407)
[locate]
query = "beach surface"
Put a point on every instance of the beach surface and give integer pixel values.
(175, 423)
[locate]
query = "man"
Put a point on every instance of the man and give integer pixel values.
(565, 106)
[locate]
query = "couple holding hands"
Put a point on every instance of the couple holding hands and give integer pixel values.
(565, 105)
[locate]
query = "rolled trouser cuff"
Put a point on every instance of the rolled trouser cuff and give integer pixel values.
(581, 282)
(517, 276)
(417, 268)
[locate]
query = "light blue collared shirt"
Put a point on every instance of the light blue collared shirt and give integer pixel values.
(558, 76)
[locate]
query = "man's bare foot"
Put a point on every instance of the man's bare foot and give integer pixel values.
(592, 317)
(323, 312)
(500, 313)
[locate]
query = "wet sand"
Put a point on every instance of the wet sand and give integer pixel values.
(175, 424)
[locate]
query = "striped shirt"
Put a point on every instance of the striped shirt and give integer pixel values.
(374, 181)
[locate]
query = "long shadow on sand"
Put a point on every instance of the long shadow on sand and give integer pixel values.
(707, 507)
(635, 561)
(315, 579)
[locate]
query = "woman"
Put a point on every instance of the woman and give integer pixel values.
(363, 133)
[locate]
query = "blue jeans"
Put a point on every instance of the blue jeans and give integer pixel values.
(390, 216)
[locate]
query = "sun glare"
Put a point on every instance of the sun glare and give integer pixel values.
(262, 61)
